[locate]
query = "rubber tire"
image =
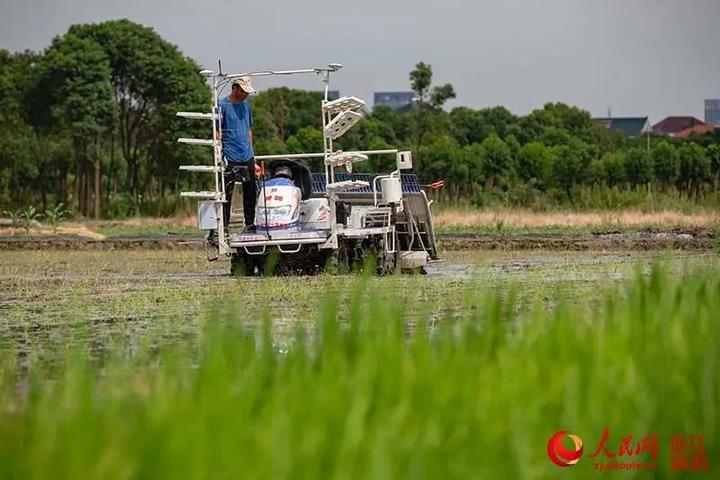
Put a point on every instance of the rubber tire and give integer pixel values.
(337, 262)
(241, 266)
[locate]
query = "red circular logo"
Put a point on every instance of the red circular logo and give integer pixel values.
(560, 455)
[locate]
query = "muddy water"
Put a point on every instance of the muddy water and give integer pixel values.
(553, 266)
(135, 299)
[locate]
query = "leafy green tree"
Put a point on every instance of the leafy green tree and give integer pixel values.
(427, 101)
(306, 140)
(555, 123)
(441, 94)
(264, 129)
(396, 127)
(468, 125)
(83, 105)
(271, 106)
(615, 168)
(289, 109)
(533, 161)
(378, 163)
(20, 158)
(96, 111)
(639, 167)
(596, 172)
(420, 80)
(606, 140)
(151, 80)
(270, 146)
(713, 154)
(497, 161)
(694, 168)
(575, 121)
(498, 120)
(553, 136)
(665, 164)
(473, 156)
(570, 164)
(512, 142)
(442, 161)
(367, 132)
(16, 79)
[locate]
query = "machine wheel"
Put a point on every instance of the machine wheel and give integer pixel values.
(387, 262)
(338, 262)
(241, 266)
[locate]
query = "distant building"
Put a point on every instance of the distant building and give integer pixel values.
(394, 100)
(696, 130)
(673, 125)
(712, 112)
(628, 126)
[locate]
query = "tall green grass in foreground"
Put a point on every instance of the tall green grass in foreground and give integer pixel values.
(379, 397)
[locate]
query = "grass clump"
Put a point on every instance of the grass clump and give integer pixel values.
(376, 396)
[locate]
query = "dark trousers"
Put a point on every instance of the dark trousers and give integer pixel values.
(244, 173)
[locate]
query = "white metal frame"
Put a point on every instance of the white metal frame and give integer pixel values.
(344, 112)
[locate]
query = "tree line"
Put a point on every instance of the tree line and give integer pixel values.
(90, 122)
(555, 151)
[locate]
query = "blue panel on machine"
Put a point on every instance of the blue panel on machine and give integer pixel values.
(409, 182)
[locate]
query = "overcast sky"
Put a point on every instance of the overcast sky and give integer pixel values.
(640, 57)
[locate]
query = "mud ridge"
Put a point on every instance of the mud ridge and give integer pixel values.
(649, 239)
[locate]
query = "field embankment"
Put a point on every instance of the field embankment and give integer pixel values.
(456, 229)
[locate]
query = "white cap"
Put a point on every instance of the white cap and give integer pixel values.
(244, 83)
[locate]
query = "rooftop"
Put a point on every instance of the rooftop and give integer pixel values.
(696, 130)
(675, 125)
(629, 126)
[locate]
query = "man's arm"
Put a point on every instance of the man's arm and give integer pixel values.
(250, 122)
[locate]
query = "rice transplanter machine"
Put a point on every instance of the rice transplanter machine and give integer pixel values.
(325, 220)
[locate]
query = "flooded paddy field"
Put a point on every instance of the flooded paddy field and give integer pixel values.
(51, 299)
(123, 361)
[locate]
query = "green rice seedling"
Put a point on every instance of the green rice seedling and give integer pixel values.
(371, 393)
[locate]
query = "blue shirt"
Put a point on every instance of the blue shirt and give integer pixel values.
(236, 121)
